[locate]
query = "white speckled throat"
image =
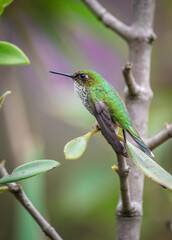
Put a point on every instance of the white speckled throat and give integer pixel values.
(82, 93)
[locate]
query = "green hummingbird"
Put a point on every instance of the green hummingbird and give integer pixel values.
(102, 100)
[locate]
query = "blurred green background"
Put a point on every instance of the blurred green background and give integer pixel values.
(42, 114)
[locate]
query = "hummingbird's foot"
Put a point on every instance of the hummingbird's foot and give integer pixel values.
(96, 126)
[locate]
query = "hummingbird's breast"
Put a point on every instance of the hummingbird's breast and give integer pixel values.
(82, 92)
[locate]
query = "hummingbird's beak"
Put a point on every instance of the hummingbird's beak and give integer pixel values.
(64, 74)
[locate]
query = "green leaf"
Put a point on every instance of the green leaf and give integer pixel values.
(1, 10)
(12, 55)
(149, 167)
(2, 98)
(30, 169)
(75, 148)
(3, 4)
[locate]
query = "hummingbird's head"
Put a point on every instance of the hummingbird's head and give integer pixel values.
(83, 78)
(86, 78)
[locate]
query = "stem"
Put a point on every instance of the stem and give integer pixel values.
(140, 47)
(160, 138)
(108, 19)
(20, 195)
(133, 88)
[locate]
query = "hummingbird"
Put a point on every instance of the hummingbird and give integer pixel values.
(103, 101)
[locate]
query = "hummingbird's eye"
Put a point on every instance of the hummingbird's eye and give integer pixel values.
(83, 76)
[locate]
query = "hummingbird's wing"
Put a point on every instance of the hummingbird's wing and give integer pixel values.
(101, 112)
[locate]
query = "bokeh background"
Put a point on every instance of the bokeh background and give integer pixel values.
(42, 114)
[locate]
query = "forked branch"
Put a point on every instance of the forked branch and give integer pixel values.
(108, 19)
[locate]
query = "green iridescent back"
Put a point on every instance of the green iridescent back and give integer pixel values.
(99, 89)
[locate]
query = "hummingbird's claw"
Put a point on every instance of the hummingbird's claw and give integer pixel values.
(96, 126)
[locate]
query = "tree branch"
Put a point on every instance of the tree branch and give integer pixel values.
(125, 206)
(20, 195)
(133, 87)
(160, 138)
(140, 37)
(108, 19)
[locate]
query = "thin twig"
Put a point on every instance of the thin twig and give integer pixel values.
(126, 207)
(20, 195)
(160, 138)
(108, 19)
(133, 87)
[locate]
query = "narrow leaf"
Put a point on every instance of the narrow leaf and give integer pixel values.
(5, 3)
(30, 169)
(149, 167)
(12, 55)
(2, 98)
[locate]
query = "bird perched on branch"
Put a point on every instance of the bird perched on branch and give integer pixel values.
(101, 100)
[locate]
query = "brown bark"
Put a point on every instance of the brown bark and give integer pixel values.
(138, 93)
(140, 47)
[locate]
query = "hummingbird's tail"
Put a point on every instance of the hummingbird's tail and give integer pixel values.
(141, 144)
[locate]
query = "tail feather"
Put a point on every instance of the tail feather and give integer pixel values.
(141, 144)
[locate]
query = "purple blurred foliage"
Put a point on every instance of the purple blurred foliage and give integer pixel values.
(102, 58)
(52, 58)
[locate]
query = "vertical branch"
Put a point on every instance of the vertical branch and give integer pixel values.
(140, 47)
(140, 37)
(138, 107)
(125, 205)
